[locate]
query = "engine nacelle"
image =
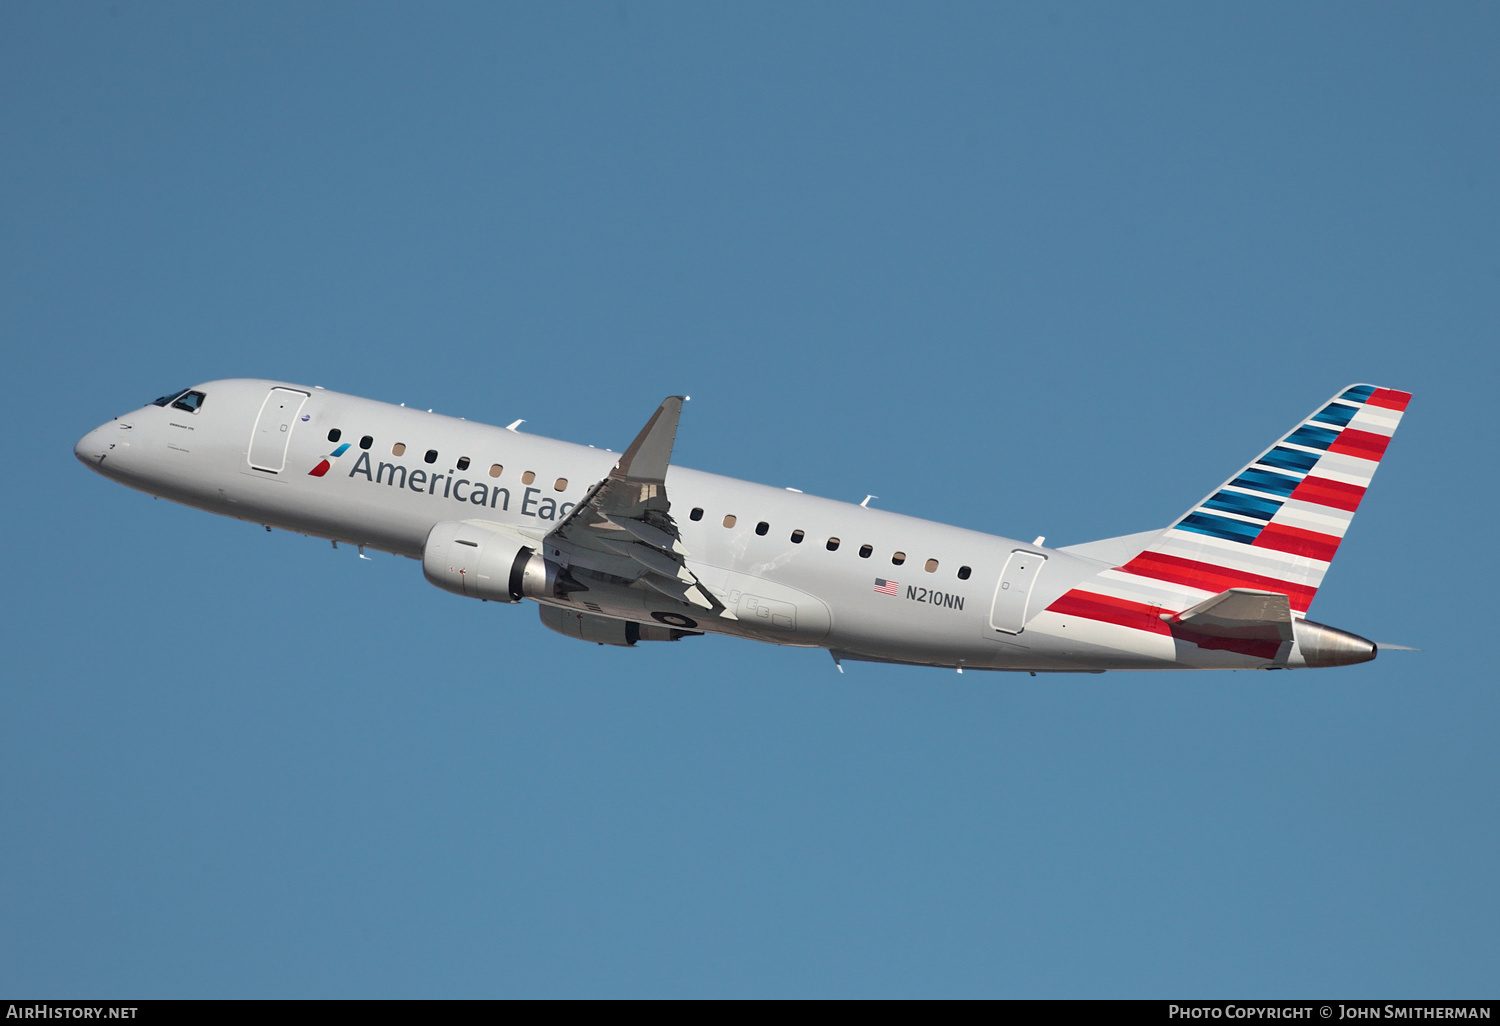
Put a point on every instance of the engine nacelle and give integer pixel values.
(478, 561)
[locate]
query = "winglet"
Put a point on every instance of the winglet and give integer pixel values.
(648, 456)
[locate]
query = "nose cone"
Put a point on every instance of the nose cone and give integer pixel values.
(97, 447)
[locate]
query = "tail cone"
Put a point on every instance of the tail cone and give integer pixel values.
(1329, 646)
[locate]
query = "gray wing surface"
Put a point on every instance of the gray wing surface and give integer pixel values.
(623, 526)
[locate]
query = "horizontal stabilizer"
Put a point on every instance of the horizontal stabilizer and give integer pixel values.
(1239, 613)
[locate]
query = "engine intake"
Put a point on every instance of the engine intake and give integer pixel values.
(477, 561)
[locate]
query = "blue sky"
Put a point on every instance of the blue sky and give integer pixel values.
(1044, 269)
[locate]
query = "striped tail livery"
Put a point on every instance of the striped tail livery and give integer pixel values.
(1237, 572)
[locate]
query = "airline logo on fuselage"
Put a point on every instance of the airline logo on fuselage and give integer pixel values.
(323, 467)
(397, 475)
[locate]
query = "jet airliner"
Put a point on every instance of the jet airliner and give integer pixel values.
(620, 549)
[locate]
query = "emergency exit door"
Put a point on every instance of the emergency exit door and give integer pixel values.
(1013, 593)
(273, 429)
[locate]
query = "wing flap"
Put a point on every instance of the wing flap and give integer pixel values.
(623, 526)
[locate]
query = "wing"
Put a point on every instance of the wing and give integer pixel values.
(623, 526)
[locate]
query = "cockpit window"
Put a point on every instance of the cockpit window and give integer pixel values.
(164, 400)
(190, 401)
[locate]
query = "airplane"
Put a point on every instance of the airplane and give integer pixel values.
(619, 549)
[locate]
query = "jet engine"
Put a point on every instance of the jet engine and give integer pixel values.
(487, 562)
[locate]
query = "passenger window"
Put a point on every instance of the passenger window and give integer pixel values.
(399, 449)
(528, 477)
(496, 470)
(963, 573)
(797, 537)
(431, 456)
(560, 485)
(463, 463)
(898, 558)
(696, 514)
(729, 520)
(931, 566)
(865, 550)
(334, 435)
(833, 544)
(367, 441)
(761, 528)
(189, 401)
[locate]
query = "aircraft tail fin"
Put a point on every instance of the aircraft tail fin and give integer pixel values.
(1276, 524)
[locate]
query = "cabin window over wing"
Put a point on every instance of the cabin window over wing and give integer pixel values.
(930, 566)
(463, 463)
(190, 401)
(833, 544)
(399, 449)
(560, 485)
(431, 456)
(496, 470)
(898, 558)
(696, 514)
(761, 528)
(367, 441)
(528, 477)
(335, 435)
(865, 550)
(963, 573)
(797, 537)
(729, 519)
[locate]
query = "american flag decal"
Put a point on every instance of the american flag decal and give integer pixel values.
(885, 587)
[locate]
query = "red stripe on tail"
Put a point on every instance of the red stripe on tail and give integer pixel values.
(1298, 542)
(1365, 444)
(1206, 577)
(1329, 493)
(1108, 609)
(1142, 617)
(1389, 398)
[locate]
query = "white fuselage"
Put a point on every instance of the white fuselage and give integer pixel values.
(795, 569)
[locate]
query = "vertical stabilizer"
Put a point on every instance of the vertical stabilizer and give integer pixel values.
(1276, 524)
